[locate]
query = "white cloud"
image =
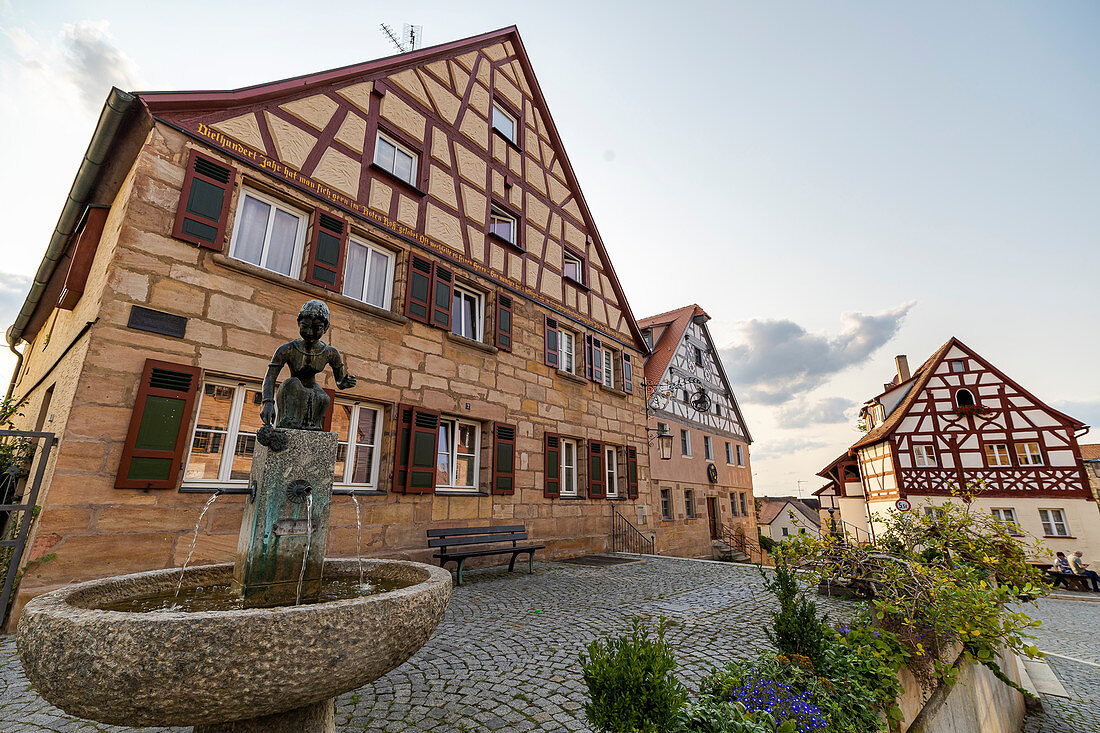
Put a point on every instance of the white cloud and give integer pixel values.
(80, 64)
(827, 411)
(778, 360)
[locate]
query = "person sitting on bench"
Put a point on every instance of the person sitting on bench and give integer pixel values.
(1081, 568)
(1061, 567)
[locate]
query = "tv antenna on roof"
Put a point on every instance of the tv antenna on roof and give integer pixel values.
(409, 40)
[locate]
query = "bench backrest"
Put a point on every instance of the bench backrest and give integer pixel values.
(452, 536)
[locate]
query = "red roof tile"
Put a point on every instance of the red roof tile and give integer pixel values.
(676, 323)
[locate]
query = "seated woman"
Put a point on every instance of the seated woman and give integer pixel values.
(301, 402)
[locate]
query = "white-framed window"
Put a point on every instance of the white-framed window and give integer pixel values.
(729, 453)
(740, 455)
(958, 365)
(368, 273)
(685, 443)
(608, 359)
(467, 312)
(1028, 454)
(359, 425)
(502, 224)
(1006, 517)
(224, 436)
(611, 467)
(996, 455)
(1054, 522)
(708, 448)
(572, 267)
(268, 233)
(567, 351)
(457, 454)
(689, 503)
(924, 455)
(666, 504)
(698, 356)
(568, 467)
(395, 158)
(786, 531)
(505, 122)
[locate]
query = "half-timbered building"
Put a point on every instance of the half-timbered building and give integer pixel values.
(958, 423)
(703, 494)
(427, 198)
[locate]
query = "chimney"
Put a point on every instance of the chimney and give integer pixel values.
(902, 363)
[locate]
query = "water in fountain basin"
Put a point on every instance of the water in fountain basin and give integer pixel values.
(358, 535)
(195, 538)
(221, 597)
(305, 556)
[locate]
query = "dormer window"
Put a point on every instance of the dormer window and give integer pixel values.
(964, 398)
(505, 122)
(395, 158)
(502, 224)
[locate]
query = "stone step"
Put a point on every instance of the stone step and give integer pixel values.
(1042, 678)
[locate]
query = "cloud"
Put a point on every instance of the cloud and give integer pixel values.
(827, 411)
(784, 448)
(81, 64)
(1087, 411)
(777, 360)
(13, 291)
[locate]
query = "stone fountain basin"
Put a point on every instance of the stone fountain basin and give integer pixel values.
(193, 668)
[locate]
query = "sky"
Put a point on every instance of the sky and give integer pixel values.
(834, 183)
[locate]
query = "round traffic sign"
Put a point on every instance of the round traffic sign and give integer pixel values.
(903, 505)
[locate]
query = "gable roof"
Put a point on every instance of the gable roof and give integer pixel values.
(774, 507)
(1090, 451)
(919, 380)
(676, 323)
(189, 109)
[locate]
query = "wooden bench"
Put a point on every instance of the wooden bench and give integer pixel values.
(1070, 580)
(460, 543)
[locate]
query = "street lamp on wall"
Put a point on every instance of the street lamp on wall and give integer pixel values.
(664, 441)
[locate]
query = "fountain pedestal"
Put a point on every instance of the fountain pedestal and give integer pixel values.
(281, 548)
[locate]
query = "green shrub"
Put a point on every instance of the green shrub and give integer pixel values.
(797, 628)
(631, 687)
(717, 716)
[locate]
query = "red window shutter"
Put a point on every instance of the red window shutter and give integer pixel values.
(504, 458)
(204, 202)
(503, 323)
(157, 439)
(632, 473)
(418, 291)
(328, 244)
(442, 293)
(588, 355)
(327, 423)
(551, 355)
(84, 251)
(401, 448)
(597, 358)
(423, 444)
(628, 374)
(551, 486)
(596, 476)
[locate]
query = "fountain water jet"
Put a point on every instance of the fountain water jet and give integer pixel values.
(275, 658)
(195, 538)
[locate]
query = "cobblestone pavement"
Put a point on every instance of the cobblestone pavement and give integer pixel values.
(505, 656)
(1070, 629)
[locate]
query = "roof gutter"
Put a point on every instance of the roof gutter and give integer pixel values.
(95, 157)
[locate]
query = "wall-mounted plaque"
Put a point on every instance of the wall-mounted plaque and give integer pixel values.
(166, 324)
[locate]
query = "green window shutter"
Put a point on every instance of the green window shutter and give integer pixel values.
(503, 323)
(401, 444)
(442, 294)
(156, 441)
(327, 247)
(596, 476)
(552, 474)
(204, 202)
(423, 444)
(551, 355)
(632, 473)
(504, 458)
(418, 293)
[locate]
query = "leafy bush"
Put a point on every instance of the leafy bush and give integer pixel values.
(717, 716)
(631, 687)
(797, 628)
(768, 544)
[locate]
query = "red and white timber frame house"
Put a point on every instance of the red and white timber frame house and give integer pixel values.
(960, 422)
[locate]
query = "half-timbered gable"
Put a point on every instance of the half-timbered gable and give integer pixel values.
(451, 147)
(960, 424)
(708, 475)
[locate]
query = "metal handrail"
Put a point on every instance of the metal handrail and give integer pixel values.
(625, 537)
(856, 529)
(736, 539)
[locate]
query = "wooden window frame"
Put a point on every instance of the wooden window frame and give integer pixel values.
(275, 203)
(551, 472)
(391, 266)
(353, 446)
(1007, 453)
(685, 443)
(917, 456)
(667, 510)
(479, 299)
(398, 146)
(627, 370)
(1053, 524)
(551, 356)
(498, 208)
(582, 267)
(689, 503)
(596, 470)
(417, 187)
(611, 471)
(631, 472)
(504, 435)
(1017, 444)
(502, 336)
(563, 440)
(341, 235)
(708, 448)
(513, 115)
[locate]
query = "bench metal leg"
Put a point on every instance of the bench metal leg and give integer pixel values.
(530, 562)
(460, 564)
(512, 564)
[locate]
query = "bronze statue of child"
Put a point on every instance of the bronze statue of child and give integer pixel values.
(300, 400)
